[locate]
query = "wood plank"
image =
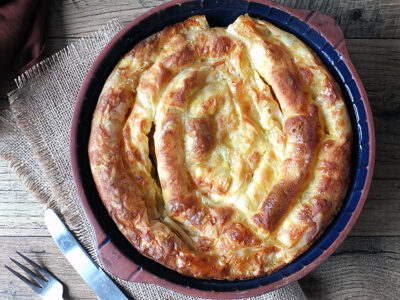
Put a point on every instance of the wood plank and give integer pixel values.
(377, 62)
(20, 213)
(362, 268)
(45, 252)
(358, 19)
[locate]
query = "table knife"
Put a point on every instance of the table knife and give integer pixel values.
(98, 281)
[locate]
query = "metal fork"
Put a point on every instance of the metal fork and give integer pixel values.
(46, 285)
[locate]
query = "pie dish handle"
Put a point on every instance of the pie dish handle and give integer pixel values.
(117, 263)
(324, 25)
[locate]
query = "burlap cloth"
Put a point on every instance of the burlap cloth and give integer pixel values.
(34, 140)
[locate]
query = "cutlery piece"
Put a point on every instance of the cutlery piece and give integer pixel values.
(99, 282)
(45, 285)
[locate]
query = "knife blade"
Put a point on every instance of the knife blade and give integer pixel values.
(93, 275)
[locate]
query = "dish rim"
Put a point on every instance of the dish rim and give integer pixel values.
(321, 26)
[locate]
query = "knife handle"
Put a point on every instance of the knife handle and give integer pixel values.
(93, 275)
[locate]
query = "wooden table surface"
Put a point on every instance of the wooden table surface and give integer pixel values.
(372, 31)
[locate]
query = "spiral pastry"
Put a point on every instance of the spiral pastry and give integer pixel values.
(221, 152)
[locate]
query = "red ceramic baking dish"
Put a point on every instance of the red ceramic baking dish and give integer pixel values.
(317, 30)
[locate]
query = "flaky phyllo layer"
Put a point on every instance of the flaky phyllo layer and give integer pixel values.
(221, 152)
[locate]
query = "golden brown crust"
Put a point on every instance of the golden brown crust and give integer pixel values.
(221, 153)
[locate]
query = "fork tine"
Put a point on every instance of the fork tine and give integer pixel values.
(42, 271)
(35, 277)
(33, 286)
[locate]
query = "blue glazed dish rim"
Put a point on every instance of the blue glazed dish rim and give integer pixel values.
(222, 13)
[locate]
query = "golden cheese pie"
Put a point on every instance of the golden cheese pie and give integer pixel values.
(221, 152)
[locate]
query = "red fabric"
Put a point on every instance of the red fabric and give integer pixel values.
(22, 26)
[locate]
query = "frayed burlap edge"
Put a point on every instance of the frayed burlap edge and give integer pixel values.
(29, 172)
(55, 193)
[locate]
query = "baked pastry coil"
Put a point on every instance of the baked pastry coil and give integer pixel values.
(221, 152)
